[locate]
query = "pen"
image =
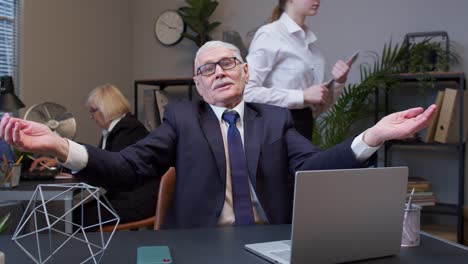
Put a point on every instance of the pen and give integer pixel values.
(11, 169)
(408, 206)
(5, 161)
(42, 163)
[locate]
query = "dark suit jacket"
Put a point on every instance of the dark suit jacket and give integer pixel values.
(132, 202)
(190, 139)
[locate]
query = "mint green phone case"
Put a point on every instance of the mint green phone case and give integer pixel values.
(154, 255)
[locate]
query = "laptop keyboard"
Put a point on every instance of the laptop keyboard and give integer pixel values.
(38, 175)
(283, 254)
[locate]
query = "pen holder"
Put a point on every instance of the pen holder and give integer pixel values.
(411, 226)
(9, 175)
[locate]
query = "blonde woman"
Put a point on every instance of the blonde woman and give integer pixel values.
(111, 111)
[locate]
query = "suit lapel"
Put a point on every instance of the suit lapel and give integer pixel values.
(210, 126)
(253, 132)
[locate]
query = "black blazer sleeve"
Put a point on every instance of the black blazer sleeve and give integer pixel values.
(138, 162)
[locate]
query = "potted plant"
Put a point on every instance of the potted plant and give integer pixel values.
(196, 16)
(357, 101)
(429, 55)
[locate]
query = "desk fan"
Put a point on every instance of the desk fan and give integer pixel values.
(55, 116)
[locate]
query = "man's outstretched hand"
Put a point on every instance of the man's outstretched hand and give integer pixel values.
(33, 137)
(399, 125)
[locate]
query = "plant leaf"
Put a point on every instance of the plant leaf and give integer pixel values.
(3, 222)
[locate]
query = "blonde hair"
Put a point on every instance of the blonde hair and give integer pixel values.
(277, 11)
(109, 101)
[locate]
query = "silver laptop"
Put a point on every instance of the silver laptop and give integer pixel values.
(341, 216)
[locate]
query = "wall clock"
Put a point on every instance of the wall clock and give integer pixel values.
(169, 27)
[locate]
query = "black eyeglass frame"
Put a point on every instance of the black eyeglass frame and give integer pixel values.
(93, 110)
(236, 62)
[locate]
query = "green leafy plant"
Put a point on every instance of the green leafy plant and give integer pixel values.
(429, 55)
(357, 101)
(196, 16)
(3, 223)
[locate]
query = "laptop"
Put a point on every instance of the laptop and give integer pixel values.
(341, 216)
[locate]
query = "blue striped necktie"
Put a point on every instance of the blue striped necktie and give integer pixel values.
(239, 174)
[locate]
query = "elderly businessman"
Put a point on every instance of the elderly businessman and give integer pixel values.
(232, 158)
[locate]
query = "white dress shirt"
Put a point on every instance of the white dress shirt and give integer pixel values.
(105, 132)
(283, 61)
(78, 158)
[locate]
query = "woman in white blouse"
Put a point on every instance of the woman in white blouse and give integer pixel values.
(287, 69)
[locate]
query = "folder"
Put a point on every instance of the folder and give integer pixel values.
(152, 119)
(162, 100)
(431, 129)
(449, 118)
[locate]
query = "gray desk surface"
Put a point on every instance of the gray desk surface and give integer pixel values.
(224, 245)
(25, 190)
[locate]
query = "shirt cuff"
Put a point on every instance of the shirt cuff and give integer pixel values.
(77, 157)
(361, 150)
(295, 99)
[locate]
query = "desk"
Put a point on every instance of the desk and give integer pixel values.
(226, 245)
(162, 84)
(25, 190)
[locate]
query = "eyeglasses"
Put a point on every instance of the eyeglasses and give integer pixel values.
(210, 68)
(93, 110)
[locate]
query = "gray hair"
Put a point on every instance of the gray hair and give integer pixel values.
(217, 44)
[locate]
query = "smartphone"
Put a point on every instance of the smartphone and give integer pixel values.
(329, 83)
(154, 255)
(353, 58)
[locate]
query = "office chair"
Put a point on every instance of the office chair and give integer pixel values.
(166, 190)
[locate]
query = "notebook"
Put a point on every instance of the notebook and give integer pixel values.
(341, 216)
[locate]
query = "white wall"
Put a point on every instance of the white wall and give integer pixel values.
(69, 47)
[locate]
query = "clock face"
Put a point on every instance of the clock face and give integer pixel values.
(169, 28)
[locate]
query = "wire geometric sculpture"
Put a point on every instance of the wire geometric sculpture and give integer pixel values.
(39, 214)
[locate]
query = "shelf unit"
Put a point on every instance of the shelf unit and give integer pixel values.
(451, 209)
(162, 84)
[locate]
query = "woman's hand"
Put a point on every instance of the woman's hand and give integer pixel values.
(316, 95)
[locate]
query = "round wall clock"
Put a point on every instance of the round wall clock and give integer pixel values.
(169, 27)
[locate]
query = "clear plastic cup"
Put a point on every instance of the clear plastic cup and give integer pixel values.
(411, 226)
(9, 175)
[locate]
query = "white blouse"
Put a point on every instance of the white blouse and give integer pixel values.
(283, 61)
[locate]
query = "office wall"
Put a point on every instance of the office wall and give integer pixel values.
(341, 26)
(68, 47)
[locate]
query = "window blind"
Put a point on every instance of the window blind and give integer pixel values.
(9, 34)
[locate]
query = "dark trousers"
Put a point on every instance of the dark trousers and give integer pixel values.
(303, 121)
